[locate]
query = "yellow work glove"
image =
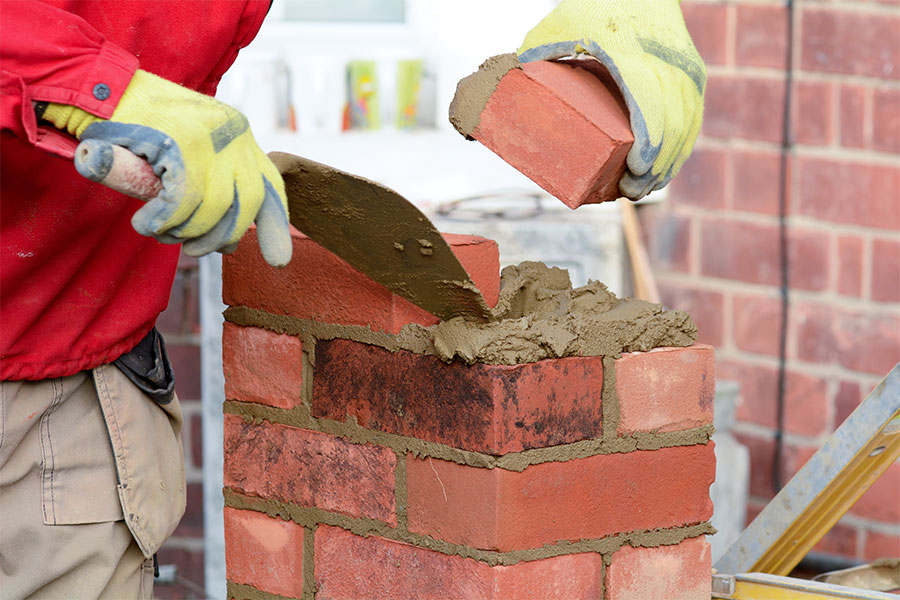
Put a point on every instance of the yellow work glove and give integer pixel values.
(646, 48)
(216, 181)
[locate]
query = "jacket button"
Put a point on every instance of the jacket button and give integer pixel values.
(101, 91)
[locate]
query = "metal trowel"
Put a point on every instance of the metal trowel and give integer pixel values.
(373, 228)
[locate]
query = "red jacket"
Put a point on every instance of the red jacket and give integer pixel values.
(78, 286)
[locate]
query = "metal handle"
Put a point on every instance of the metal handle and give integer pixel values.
(117, 168)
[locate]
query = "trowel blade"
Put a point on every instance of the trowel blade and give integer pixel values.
(381, 234)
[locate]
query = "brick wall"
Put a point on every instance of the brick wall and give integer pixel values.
(715, 245)
(180, 325)
(354, 471)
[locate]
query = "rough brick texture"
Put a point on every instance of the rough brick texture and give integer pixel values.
(679, 572)
(261, 366)
(493, 409)
(310, 469)
(583, 498)
(346, 566)
(318, 285)
(263, 552)
(667, 389)
(714, 242)
(562, 127)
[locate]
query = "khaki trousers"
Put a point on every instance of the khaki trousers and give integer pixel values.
(91, 484)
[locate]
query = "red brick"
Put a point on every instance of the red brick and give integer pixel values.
(668, 239)
(185, 359)
(539, 113)
(813, 113)
(869, 343)
(756, 181)
(741, 251)
(318, 285)
(806, 400)
(879, 545)
(806, 407)
(701, 181)
(762, 451)
(886, 116)
(813, 326)
(349, 567)
(667, 389)
(886, 270)
(761, 36)
(851, 193)
(263, 552)
(808, 259)
(840, 540)
(748, 108)
(882, 500)
(854, 133)
(707, 25)
(705, 307)
(560, 578)
(494, 409)
(196, 450)
(345, 565)
(309, 468)
(841, 41)
(850, 265)
(847, 398)
(261, 366)
(182, 313)
(680, 572)
(757, 323)
(794, 458)
(583, 498)
(190, 567)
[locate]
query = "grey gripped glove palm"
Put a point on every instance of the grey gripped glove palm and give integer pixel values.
(216, 181)
(645, 46)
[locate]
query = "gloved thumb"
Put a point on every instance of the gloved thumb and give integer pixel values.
(272, 229)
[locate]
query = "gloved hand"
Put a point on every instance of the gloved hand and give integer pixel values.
(216, 181)
(645, 46)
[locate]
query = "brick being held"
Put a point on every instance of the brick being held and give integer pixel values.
(562, 124)
(442, 460)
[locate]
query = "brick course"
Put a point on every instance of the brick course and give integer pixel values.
(591, 497)
(493, 409)
(317, 285)
(310, 469)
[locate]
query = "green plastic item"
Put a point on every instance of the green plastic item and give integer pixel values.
(409, 84)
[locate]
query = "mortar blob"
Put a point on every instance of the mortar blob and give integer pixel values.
(540, 315)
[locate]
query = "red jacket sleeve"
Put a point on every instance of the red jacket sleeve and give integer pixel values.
(48, 54)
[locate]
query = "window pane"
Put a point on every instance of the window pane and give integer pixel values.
(370, 11)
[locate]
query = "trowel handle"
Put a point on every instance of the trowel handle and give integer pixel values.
(117, 168)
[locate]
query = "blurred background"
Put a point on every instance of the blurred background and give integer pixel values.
(781, 235)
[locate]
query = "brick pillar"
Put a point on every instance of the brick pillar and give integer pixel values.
(354, 469)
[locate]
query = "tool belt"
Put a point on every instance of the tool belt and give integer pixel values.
(147, 366)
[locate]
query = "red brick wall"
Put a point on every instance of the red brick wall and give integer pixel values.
(352, 471)
(715, 244)
(180, 325)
